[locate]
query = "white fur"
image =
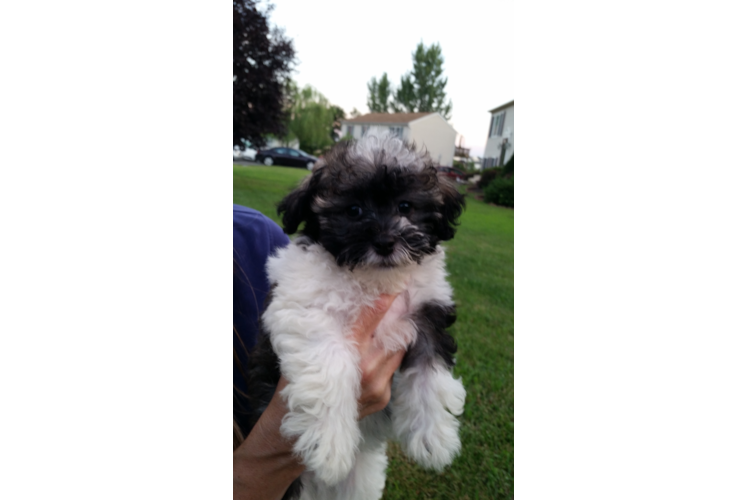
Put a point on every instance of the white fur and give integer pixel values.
(379, 146)
(314, 304)
(377, 141)
(421, 404)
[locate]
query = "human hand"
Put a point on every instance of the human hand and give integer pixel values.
(377, 365)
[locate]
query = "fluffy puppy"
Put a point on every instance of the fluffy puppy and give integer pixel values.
(374, 212)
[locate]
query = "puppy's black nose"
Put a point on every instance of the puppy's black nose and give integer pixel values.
(384, 244)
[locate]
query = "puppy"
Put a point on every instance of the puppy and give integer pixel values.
(374, 212)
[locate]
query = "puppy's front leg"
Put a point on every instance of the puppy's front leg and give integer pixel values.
(322, 370)
(425, 396)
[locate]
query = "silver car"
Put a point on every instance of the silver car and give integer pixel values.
(248, 154)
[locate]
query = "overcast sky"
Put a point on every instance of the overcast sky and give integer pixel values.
(340, 45)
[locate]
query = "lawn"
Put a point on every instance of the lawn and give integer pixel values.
(480, 261)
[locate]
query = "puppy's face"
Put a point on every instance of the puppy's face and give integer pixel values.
(374, 203)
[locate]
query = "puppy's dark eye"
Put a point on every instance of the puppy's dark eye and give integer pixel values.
(354, 211)
(404, 207)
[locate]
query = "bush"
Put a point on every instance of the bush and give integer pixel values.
(500, 191)
(509, 167)
(489, 175)
(466, 166)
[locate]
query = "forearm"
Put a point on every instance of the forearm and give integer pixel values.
(264, 464)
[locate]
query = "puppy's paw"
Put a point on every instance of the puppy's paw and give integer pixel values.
(333, 461)
(452, 395)
(436, 446)
(329, 450)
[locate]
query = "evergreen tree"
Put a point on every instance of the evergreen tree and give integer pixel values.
(405, 96)
(379, 94)
(422, 89)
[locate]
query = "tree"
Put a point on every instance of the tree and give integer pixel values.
(313, 119)
(262, 63)
(405, 96)
(337, 115)
(422, 89)
(379, 95)
(509, 167)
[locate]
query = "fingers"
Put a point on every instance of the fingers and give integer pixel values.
(376, 401)
(394, 361)
(376, 382)
(370, 317)
(383, 303)
(282, 383)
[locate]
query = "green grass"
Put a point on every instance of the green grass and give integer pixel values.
(480, 261)
(262, 187)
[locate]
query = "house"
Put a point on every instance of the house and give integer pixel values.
(424, 129)
(500, 142)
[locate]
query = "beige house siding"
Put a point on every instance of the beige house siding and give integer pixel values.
(437, 135)
(424, 129)
(358, 130)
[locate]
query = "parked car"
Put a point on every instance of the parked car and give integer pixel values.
(453, 173)
(249, 153)
(286, 156)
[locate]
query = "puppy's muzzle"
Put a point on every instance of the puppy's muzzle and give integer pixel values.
(384, 244)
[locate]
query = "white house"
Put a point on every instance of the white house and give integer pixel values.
(500, 142)
(424, 129)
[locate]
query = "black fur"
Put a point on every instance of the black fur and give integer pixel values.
(296, 206)
(378, 190)
(433, 340)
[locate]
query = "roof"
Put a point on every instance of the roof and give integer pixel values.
(387, 117)
(503, 106)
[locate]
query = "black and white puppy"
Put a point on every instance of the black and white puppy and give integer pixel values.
(374, 212)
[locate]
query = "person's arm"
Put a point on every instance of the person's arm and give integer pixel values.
(264, 464)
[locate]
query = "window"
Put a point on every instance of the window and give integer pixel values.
(293, 152)
(364, 128)
(497, 125)
(349, 130)
(397, 131)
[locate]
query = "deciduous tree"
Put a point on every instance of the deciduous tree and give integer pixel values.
(313, 119)
(263, 58)
(337, 115)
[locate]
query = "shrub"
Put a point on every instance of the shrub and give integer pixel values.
(466, 166)
(509, 167)
(500, 191)
(489, 175)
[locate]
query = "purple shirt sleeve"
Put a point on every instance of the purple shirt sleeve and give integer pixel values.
(256, 237)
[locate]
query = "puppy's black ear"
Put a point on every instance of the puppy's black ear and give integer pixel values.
(452, 207)
(297, 206)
